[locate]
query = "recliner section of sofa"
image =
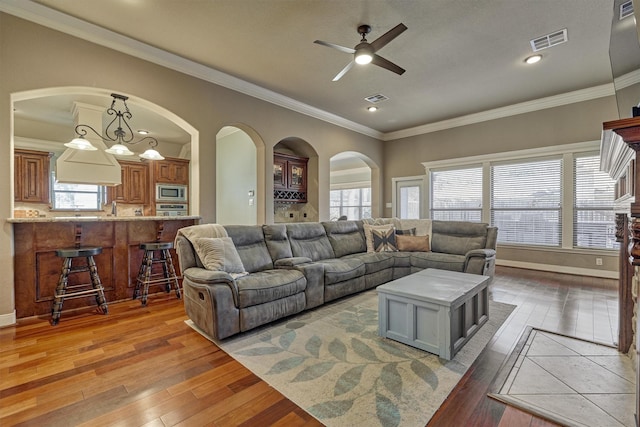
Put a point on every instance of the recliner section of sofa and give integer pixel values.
(294, 267)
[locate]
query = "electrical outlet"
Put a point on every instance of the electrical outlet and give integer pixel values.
(598, 261)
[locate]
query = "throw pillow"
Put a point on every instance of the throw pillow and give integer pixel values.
(218, 253)
(413, 243)
(368, 233)
(384, 240)
(407, 232)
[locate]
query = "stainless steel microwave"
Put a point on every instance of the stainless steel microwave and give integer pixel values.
(171, 193)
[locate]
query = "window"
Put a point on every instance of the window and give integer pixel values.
(594, 219)
(78, 196)
(456, 195)
(553, 197)
(354, 203)
(526, 199)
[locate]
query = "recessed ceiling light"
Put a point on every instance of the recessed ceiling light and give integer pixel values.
(533, 59)
(143, 132)
(372, 109)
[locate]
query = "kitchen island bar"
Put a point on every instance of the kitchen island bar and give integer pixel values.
(37, 268)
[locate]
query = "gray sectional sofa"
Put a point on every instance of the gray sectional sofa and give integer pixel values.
(289, 268)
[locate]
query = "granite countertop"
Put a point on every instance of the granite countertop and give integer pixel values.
(89, 218)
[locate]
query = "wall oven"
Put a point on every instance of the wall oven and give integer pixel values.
(171, 193)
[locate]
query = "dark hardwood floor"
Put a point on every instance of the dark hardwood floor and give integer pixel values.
(143, 366)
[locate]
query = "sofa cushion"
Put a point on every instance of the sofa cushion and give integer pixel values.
(346, 237)
(309, 240)
(438, 260)
(251, 246)
(340, 270)
(277, 242)
(218, 254)
(384, 240)
(458, 237)
(413, 243)
(374, 261)
(269, 285)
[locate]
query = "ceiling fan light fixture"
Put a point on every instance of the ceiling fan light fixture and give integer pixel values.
(364, 54)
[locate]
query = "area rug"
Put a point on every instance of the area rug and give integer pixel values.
(569, 381)
(331, 362)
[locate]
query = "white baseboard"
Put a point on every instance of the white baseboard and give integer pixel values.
(8, 319)
(605, 274)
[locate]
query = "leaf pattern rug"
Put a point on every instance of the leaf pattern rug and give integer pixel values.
(331, 362)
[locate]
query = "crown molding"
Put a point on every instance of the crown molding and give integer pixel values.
(511, 110)
(50, 18)
(627, 80)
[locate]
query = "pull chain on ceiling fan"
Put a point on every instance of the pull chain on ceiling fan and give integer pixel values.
(365, 52)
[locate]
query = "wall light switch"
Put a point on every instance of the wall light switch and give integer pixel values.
(389, 205)
(251, 201)
(251, 193)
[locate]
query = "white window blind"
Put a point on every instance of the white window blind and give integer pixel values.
(456, 194)
(526, 200)
(594, 219)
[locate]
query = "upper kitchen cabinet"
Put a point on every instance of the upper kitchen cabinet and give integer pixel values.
(289, 178)
(172, 171)
(31, 176)
(135, 184)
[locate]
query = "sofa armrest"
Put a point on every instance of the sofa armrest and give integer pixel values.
(291, 262)
(202, 276)
(480, 261)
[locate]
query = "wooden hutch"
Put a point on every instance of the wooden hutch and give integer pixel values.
(620, 153)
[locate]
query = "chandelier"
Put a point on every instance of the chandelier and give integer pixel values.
(119, 135)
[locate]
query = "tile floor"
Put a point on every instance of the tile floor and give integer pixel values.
(572, 382)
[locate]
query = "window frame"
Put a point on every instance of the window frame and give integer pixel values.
(566, 151)
(358, 207)
(101, 194)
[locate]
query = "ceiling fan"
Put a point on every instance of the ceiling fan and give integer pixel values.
(365, 52)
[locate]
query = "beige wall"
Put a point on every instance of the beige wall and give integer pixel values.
(34, 57)
(579, 122)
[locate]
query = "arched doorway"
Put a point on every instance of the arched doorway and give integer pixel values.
(353, 183)
(236, 177)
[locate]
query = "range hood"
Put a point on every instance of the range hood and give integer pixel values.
(88, 167)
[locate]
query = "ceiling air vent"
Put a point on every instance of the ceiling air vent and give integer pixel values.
(626, 9)
(553, 39)
(376, 98)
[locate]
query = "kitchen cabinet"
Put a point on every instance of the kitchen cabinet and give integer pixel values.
(172, 171)
(118, 264)
(135, 184)
(289, 178)
(31, 176)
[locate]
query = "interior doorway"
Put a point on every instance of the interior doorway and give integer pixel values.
(408, 197)
(236, 178)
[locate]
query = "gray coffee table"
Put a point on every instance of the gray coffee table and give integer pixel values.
(434, 310)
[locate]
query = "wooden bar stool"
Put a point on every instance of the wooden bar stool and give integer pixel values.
(66, 291)
(147, 278)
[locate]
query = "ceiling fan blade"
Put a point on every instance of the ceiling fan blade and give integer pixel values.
(335, 46)
(344, 71)
(381, 41)
(384, 63)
